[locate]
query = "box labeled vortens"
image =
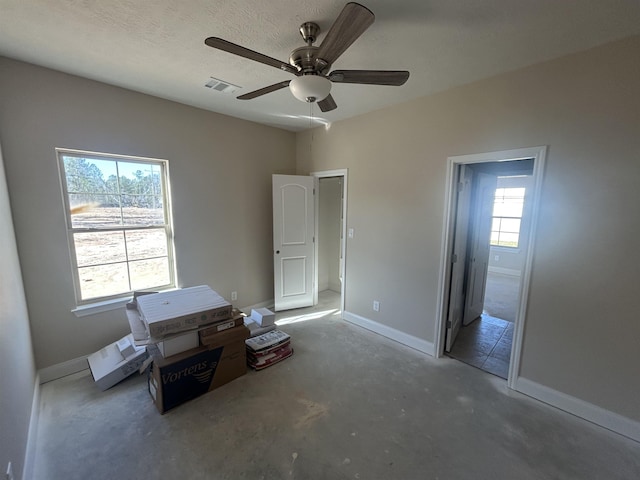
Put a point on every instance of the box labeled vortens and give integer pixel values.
(183, 377)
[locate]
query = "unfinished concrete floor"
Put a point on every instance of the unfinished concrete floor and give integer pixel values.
(349, 404)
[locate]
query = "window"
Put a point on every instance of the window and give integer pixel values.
(507, 217)
(118, 223)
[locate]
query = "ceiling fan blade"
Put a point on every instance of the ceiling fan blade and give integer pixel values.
(327, 104)
(370, 77)
(350, 24)
(265, 90)
(221, 44)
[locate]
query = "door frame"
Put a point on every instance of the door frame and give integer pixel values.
(344, 173)
(538, 154)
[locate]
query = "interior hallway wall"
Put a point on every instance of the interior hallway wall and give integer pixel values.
(220, 170)
(581, 329)
(18, 372)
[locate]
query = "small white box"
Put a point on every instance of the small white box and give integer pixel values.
(126, 347)
(263, 316)
(179, 344)
(108, 367)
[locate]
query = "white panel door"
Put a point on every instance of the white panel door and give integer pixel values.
(293, 241)
(483, 200)
(458, 260)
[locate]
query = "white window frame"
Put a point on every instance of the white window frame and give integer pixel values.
(502, 217)
(109, 302)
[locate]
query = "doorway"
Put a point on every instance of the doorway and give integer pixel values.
(476, 284)
(485, 340)
(309, 227)
(331, 205)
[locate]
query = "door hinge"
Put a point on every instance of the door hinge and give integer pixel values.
(313, 239)
(460, 186)
(314, 191)
(449, 324)
(454, 258)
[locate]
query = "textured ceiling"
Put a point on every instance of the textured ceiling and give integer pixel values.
(157, 46)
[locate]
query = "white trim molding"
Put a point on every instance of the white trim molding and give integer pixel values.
(63, 369)
(391, 333)
(34, 419)
(585, 410)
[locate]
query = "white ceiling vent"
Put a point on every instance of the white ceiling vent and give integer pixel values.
(221, 85)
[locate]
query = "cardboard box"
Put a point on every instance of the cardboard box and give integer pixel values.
(179, 310)
(109, 367)
(263, 317)
(183, 377)
(126, 347)
(222, 338)
(179, 343)
(141, 334)
(256, 329)
(218, 327)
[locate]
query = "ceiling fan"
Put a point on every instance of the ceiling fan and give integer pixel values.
(310, 64)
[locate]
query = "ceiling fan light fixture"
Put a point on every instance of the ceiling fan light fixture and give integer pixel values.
(310, 88)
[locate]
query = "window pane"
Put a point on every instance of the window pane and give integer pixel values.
(511, 225)
(143, 244)
(508, 209)
(508, 239)
(97, 248)
(89, 175)
(95, 211)
(140, 178)
(149, 273)
(103, 280)
(494, 238)
(142, 210)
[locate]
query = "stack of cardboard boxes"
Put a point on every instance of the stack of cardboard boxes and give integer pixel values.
(195, 339)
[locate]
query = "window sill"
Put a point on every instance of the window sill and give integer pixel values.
(108, 305)
(99, 307)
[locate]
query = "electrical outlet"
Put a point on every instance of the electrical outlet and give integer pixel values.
(9, 472)
(376, 306)
(234, 296)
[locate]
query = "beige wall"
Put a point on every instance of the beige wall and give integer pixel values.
(582, 330)
(17, 367)
(220, 170)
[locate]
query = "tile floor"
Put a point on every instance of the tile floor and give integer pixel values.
(486, 344)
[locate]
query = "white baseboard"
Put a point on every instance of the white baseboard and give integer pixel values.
(594, 414)
(391, 333)
(32, 435)
(63, 369)
(504, 271)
